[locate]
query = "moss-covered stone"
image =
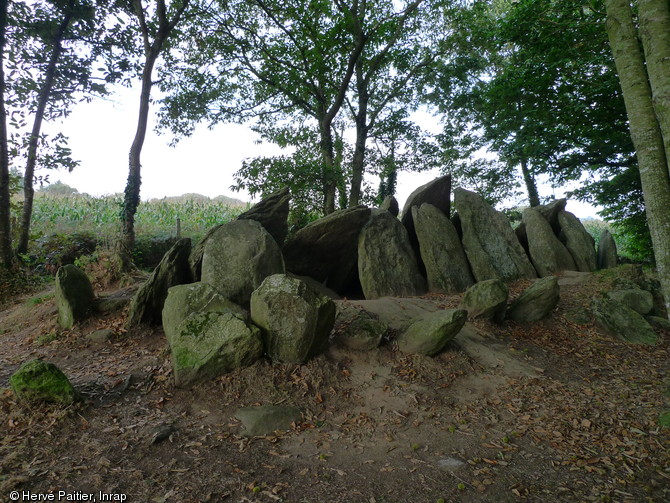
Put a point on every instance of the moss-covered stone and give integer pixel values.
(40, 381)
(486, 299)
(430, 334)
(536, 302)
(623, 322)
(357, 329)
(206, 345)
(74, 295)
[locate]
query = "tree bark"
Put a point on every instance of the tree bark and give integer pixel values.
(5, 226)
(358, 162)
(329, 178)
(655, 35)
(531, 186)
(645, 130)
(43, 100)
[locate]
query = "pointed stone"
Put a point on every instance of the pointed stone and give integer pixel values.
(607, 252)
(272, 213)
(547, 253)
(578, 241)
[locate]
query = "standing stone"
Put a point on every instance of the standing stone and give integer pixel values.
(195, 257)
(184, 300)
(551, 211)
(486, 300)
(578, 241)
(607, 252)
(536, 302)
(386, 262)
(173, 269)
(272, 213)
(490, 244)
(295, 319)
(326, 249)
(74, 295)
(238, 257)
(430, 334)
(39, 381)
(206, 345)
(547, 253)
(437, 193)
(447, 267)
(390, 204)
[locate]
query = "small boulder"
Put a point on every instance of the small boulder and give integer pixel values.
(326, 249)
(536, 302)
(39, 381)
(386, 262)
(390, 204)
(487, 300)
(623, 322)
(100, 336)
(638, 300)
(74, 295)
(356, 329)
(547, 254)
(431, 333)
(658, 322)
(578, 241)
(607, 252)
(266, 419)
(206, 345)
(447, 267)
(147, 304)
(294, 318)
(272, 213)
(492, 248)
(184, 300)
(238, 257)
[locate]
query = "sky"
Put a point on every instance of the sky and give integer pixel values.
(101, 132)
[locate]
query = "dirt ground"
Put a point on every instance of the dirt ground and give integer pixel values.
(553, 411)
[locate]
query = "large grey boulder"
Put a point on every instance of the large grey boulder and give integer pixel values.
(272, 213)
(607, 252)
(436, 192)
(640, 301)
(447, 268)
(327, 249)
(623, 322)
(184, 300)
(551, 211)
(206, 345)
(547, 254)
(40, 381)
(386, 262)
(486, 300)
(238, 257)
(390, 204)
(294, 318)
(536, 302)
(490, 244)
(173, 269)
(430, 334)
(578, 241)
(74, 295)
(356, 329)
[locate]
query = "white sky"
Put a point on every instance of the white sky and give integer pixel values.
(102, 131)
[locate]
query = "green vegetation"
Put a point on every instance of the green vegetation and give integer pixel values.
(157, 218)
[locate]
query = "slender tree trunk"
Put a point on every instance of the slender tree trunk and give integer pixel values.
(645, 131)
(131, 198)
(43, 100)
(655, 34)
(5, 225)
(531, 186)
(358, 163)
(329, 178)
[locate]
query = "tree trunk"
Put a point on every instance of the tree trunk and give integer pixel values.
(329, 178)
(132, 192)
(531, 186)
(358, 163)
(5, 225)
(645, 131)
(43, 100)
(655, 34)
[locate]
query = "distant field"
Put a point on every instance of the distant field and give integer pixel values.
(154, 218)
